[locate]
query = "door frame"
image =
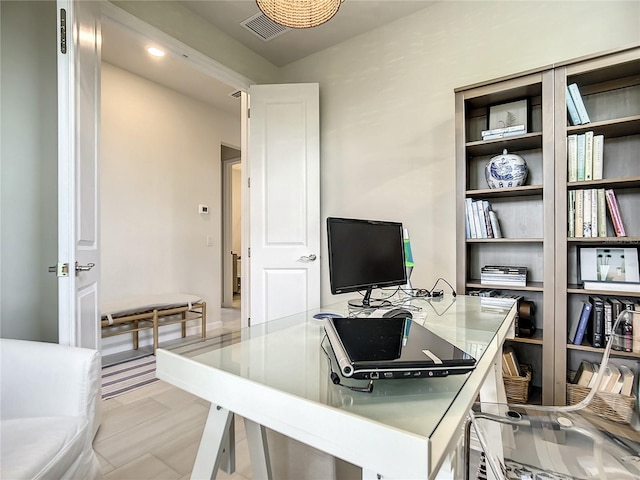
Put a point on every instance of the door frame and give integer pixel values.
(227, 229)
(71, 320)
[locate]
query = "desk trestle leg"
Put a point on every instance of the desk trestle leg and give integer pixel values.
(258, 450)
(217, 446)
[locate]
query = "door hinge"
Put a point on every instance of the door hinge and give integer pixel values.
(248, 182)
(63, 30)
(60, 269)
(249, 252)
(248, 113)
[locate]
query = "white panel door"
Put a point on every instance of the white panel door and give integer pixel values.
(284, 200)
(78, 144)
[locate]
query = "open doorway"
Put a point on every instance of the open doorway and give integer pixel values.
(231, 227)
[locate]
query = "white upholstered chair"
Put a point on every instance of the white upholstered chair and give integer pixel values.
(49, 411)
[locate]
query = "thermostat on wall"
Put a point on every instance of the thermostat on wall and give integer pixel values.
(203, 209)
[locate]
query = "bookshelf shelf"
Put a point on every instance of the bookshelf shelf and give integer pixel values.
(535, 340)
(524, 191)
(534, 217)
(614, 353)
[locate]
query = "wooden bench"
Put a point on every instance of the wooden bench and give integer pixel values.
(150, 312)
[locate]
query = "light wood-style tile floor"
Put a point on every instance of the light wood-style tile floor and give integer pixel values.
(154, 432)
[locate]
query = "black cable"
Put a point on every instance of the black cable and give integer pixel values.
(432, 292)
(335, 378)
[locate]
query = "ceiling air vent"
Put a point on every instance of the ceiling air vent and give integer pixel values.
(236, 94)
(262, 26)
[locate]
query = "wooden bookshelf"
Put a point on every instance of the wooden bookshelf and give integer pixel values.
(533, 217)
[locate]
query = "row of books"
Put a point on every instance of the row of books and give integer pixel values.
(575, 106)
(503, 132)
(503, 275)
(616, 379)
(481, 221)
(595, 323)
(585, 156)
(587, 215)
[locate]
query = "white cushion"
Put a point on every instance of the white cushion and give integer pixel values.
(45, 447)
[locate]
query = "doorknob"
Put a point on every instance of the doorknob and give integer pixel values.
(84, 268)
(308, 258)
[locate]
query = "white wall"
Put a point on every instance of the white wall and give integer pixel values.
(28, 166)
(160, 159)
(387, 105)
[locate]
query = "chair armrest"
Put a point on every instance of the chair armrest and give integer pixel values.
(45, 379)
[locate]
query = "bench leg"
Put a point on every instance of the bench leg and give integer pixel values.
(184, 324)
(204, 319)
(135, 335)
(155, 330)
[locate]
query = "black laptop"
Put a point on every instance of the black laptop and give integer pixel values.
(377, 348)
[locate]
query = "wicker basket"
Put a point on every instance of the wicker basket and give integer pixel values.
(612, 406)
(517, 388)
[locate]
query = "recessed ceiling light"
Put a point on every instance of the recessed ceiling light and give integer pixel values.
(156, 52)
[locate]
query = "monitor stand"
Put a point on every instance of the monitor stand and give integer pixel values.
(368, 302)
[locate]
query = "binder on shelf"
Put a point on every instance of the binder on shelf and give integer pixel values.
(574, 91)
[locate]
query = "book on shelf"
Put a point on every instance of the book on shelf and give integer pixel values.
(616, 308)
(636, 329)
(486, 207)
(594, 378)
(574, 91)
(601, 213)
(585, 314)
(578, 212)
(595, 327)
(598, 157)
(481, 220)
(583, 374)
(581, 157)
(626, 381)
(611, 375)
(470, 220)
(588, 155)
(511, 360)
(573, 117)
(586, 213)
(495, 224)
(614, 211)
(608, 319)
(571, 214)
(572, 157)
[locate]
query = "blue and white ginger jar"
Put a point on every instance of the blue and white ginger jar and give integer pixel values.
(506, 170)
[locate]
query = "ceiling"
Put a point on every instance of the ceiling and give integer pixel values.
(127, 49)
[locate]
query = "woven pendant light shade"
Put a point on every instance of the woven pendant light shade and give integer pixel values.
(299, 13)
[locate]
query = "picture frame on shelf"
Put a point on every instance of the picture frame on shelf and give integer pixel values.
(609, 267)
(511, 114)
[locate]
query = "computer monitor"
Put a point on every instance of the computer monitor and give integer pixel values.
(363, 255)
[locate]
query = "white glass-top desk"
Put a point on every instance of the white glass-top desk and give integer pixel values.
(277, 376)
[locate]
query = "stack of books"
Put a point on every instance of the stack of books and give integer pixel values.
(510, 365)
(503, 132)
(503, 275)
(481, 220)
(587, 213)
(595, 322)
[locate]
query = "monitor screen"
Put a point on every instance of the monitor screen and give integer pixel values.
(365, 254)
